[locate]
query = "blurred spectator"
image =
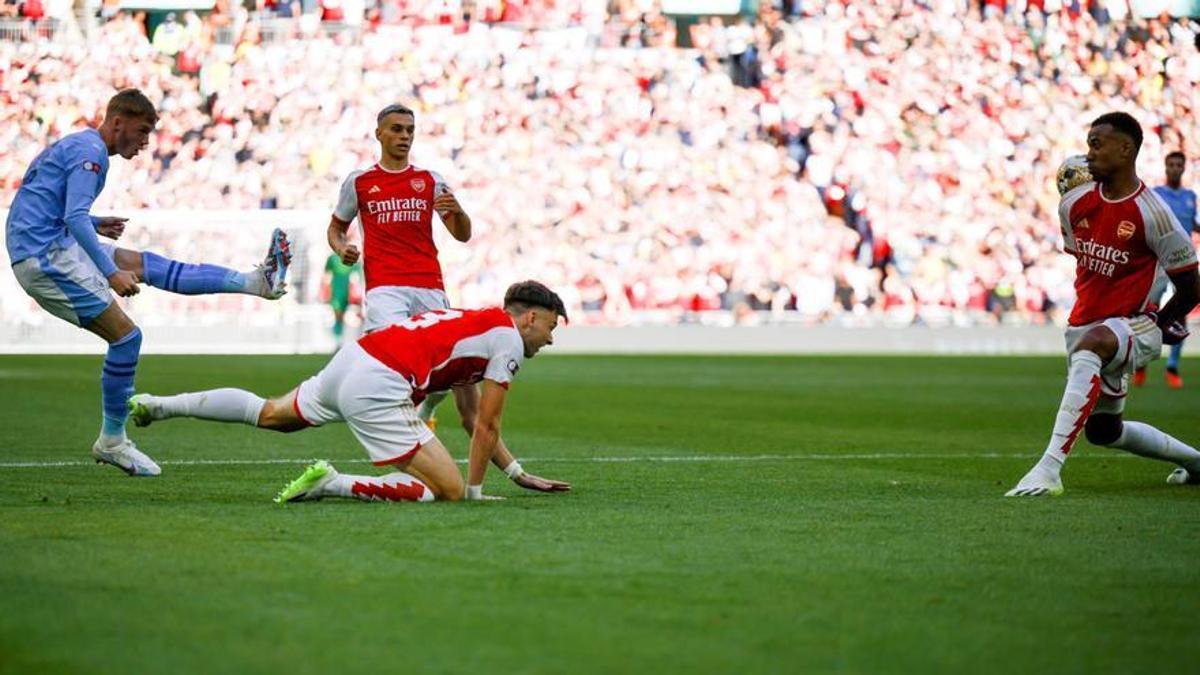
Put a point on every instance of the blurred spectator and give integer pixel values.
(834, 160)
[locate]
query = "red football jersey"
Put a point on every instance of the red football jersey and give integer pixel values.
(437, 350)
(1118, 248)
(396, 212)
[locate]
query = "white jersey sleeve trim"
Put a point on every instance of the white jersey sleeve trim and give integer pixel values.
(1064, 214)
(347, 204)
(439, 184)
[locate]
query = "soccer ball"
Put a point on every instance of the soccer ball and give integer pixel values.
(1072, 173)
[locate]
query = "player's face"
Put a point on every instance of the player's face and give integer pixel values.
(1108, 151)
(1175, 166)
(133, 135)
(395, 134)
(537, 330)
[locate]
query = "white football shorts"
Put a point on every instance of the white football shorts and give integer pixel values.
(1139, 341)
(387, 305)
(374, 401)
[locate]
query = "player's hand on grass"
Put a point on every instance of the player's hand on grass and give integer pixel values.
(111, 226)
(532, 482)
(349, 254)
(124, 283)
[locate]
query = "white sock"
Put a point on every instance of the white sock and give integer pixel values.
(394, 487)
(429, 406)
(256, 283)
(1080, 396)
(111, 440)
(222, 405)
(1145, 440)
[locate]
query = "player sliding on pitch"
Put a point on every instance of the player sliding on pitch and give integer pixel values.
(1120, 233)
(374, 385)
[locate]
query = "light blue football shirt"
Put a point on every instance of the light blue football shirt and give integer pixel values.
(1182, 203)
(55, 196)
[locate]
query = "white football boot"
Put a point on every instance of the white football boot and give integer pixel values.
(1182, 476)
(1037, 483)
(126, 457)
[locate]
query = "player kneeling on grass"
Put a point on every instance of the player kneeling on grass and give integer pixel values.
(374, 385)
(1120, 234)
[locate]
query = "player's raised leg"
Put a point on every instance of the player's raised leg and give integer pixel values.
(116, 384)
(220, 405)
(1080, 396)
(266, 280)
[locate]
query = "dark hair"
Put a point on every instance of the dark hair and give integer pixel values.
(131, 103)
(393, 109)
(1123, 123)
(1176, 153)
(526, 294)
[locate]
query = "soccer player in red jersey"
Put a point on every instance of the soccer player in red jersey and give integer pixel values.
(1119, 232)
(394, 202)
(374, 385)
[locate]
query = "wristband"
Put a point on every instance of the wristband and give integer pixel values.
(514, 470)
(474, 492)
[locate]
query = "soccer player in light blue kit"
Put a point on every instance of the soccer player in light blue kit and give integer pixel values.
(60, 262)
(1182, 203)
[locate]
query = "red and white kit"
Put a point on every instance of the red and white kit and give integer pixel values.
(375, 383)
(400, 262)
(1119, 247)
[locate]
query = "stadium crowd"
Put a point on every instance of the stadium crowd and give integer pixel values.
(836, 160)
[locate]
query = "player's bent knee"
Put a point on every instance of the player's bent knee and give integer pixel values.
(1102, 429)
(1101, 341)
(449, 489)
(279, 417)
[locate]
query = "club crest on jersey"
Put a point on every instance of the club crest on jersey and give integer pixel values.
(418, 184)
(1126, 229)
(91, 166)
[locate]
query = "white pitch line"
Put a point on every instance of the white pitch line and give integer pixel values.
(665, 459)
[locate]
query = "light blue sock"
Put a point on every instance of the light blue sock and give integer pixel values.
(116, 381)
(1173, 359)
(189, 279)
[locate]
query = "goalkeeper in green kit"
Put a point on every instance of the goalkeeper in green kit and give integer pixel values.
(342, 291)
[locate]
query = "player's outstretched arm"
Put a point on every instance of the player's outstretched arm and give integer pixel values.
(485, 436)
(467, 399)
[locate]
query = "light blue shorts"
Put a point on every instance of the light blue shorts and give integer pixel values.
(66, 283)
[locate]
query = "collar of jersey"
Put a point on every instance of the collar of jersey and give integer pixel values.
(1131, 195)
(381, 167)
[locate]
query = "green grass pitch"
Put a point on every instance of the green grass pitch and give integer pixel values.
(774, 515)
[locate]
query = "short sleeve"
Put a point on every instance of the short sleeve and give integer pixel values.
(347, 203)
(440, 187)
(506, 360)
(1167, 238)
(1064, 215)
